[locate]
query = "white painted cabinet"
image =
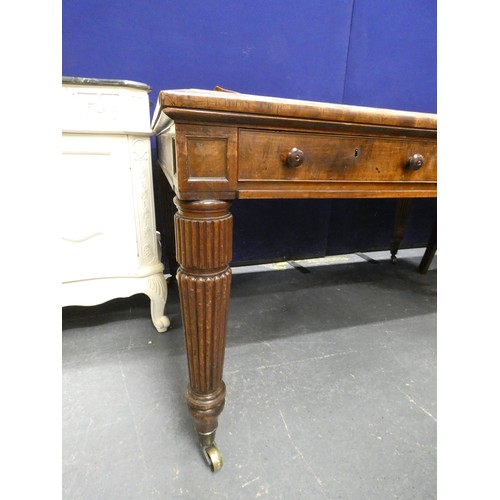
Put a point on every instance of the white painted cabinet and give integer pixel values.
(110, 247)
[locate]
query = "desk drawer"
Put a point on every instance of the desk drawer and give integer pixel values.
(270, 156)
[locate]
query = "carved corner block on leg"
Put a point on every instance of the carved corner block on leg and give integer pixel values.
(203, 231)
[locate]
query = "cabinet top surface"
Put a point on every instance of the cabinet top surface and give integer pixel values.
(229, 102)
(104, 82)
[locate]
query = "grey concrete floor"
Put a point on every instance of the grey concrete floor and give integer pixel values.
(331, 376)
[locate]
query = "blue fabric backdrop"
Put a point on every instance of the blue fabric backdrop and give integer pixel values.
(367, 52)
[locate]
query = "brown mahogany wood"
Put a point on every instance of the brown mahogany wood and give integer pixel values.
(225, 145)
(263, 156)
(216, 146)
(203, 232)
(214, 102)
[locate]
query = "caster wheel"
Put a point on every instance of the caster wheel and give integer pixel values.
(394, 259)
(213, 457)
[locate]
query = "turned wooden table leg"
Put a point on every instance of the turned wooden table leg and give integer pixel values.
(203, 231)
(403, 207)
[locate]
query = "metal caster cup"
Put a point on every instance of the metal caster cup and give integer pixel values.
(210, 452)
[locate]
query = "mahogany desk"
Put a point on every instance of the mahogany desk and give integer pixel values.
(217, 146)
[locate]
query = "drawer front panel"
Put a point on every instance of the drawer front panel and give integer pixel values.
(264, 156)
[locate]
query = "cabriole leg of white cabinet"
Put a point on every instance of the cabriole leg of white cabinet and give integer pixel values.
(157, 292)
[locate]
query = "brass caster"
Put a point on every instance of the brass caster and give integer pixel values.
(209, 450)
(394, 259)
(213, 457)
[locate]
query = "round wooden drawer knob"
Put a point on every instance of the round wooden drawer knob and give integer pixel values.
(295, 157)
(415, 162)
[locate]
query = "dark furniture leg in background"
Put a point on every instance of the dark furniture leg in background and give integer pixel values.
(403, 207)
(430, 251)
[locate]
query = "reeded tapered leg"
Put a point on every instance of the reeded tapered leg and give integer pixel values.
(403, 207)
(203, 231)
